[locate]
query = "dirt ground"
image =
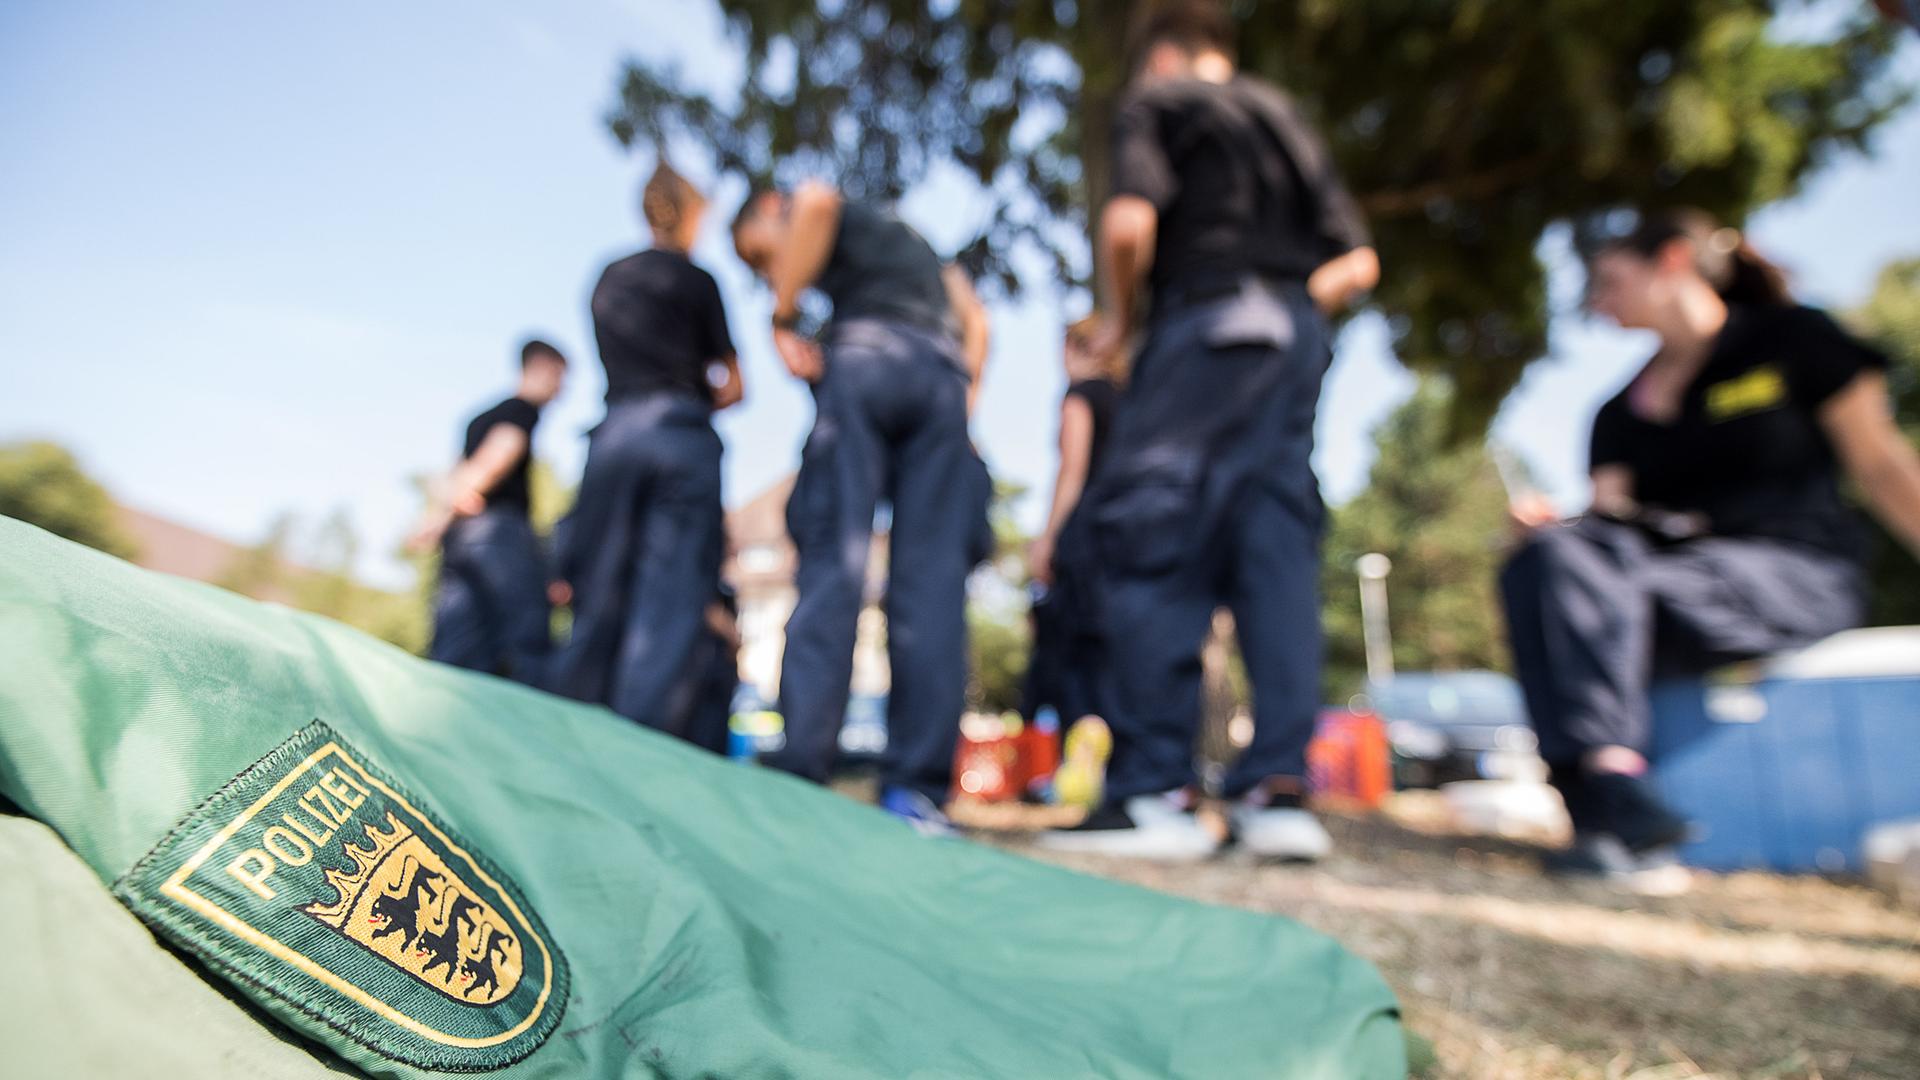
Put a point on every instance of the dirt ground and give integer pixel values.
(1509, 974)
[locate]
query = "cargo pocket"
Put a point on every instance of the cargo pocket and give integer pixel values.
(1147, 521)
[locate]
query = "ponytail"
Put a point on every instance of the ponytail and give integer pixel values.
(668, 198)
(1721, 255)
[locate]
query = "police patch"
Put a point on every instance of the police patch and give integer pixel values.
(314, 879)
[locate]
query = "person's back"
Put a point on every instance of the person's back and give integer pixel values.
(1227, 214)
(659, 322)
(641, 551)
(881, 268)
(1242, 187)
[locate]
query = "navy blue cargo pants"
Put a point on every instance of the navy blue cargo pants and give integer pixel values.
(490, 608)
(890, 426)
(642, 551)
(1068, 668)
(1207, 497)
(1595, 610)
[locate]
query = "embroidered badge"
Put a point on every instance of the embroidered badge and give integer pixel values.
(1761, 388)
(315, 879)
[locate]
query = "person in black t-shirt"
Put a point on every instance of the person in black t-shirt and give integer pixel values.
(891, 390)
(490, 609)
(640, 553)
(1227, 209)
(1068, 669)
(1717, 531)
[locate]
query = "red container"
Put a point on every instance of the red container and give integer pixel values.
(1349, 761)
(1000, 767)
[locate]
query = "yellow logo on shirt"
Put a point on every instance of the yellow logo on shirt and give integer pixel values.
(1762, 388)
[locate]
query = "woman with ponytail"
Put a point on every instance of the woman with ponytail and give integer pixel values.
(1717, 531)
(640, 553)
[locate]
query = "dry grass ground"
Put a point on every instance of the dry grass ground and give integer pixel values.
(1513, 975)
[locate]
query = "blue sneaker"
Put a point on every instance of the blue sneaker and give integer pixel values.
(916, 810)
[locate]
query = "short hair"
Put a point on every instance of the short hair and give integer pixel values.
(1194, 26)
(667, 197)
(535, 349)
(750, 209)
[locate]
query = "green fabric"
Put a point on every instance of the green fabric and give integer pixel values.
(716, 920)
(89, 993)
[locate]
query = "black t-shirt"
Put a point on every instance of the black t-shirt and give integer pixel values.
(881, 269)
(511, 492)
(1241, 183)
(1747, 449)
(1099, 394)
(659, 322)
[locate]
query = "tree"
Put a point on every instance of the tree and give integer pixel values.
(1436, 509)
(264, 571)
(999, 636)
(42, 484)
(1891, 319)
(261, 570)
(1466, 128)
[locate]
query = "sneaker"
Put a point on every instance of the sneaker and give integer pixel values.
(1279, 826)
(1157, 827)
(1632, 812)
(1605, 857)
(916, 810)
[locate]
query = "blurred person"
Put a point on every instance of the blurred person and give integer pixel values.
(718, 661)
(490, 609)
(640, 553)
(1227, 208)
(1717, 530)
(891, 377)
(1067, 670)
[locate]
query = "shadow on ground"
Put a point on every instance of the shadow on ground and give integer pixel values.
(1514, 975)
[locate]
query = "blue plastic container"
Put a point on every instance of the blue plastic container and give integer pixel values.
(1787, 774)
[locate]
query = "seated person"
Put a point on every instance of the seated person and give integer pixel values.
(1717, 531)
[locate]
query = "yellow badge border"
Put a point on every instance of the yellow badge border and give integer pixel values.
(175, 888)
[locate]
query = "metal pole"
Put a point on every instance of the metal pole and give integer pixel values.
(1373, 569)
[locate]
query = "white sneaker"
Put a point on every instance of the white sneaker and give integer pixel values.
(1281, 832)
(1156, 827)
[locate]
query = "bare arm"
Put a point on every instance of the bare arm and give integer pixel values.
(465, 490)
(1076, 452)
(975, 332)
(1859, 421)
(1339, 280)
(815, 217)
(1128, 228)
(475, 478)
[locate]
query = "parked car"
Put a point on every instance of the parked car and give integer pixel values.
(1455, 725)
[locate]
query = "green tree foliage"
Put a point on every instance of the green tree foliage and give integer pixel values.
(42, 484)
(325, 585)
(1000, 648)
(1000, 637)
(1891, 319)
(1466, 128)
(1437, 510)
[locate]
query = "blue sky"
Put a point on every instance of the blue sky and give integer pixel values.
(264, 258)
